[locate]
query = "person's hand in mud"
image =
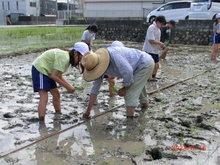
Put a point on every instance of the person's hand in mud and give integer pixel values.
(122, 91)
(86, 115)
(92, 100)
(70, 88)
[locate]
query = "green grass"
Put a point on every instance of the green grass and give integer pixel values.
(20, 39)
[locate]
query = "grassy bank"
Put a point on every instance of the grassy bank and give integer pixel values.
(19, 39)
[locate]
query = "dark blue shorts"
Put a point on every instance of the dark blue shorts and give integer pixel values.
(87, 44)
(216, 38)
(41, 81)
(155, 57)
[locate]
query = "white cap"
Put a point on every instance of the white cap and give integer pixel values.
(217, 15)
(81, 47)
(117, 44)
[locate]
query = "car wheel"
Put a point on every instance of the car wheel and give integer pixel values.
(152, 18)
(187, 17)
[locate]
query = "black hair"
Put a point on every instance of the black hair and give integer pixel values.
(161, 19)
(72, 61)
(215, 21)
(92, 27)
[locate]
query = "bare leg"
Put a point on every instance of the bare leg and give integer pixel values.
(145, 105)
(214, 51)
(111, 82)
(130, 111)
(156, 66)
(42, 104)
(56, 99)
(164, 53)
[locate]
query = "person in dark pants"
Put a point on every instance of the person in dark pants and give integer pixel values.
(165, 37)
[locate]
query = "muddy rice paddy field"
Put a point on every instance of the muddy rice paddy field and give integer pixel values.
(180, 127)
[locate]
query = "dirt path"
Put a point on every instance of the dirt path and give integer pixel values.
(181, 126)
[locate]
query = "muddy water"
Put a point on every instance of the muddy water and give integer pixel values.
(186, 114)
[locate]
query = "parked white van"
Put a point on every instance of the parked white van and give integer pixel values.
(204, 9)
(175, 10)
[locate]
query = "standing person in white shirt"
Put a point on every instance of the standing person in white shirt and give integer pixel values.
(89, 35)
(152, 42)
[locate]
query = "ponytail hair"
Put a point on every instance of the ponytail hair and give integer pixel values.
(216, 21)
(92, 27)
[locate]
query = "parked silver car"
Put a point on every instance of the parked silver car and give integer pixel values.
(175, 10)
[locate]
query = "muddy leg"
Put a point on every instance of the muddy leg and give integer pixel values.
(156, 66)
(42, 104)
(164, 53)
(56, 99)
(214, 51)
(111, 82)
(130, 111)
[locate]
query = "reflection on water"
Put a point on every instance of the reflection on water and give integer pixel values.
(101, 139)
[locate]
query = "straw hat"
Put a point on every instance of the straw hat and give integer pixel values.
(95, 64)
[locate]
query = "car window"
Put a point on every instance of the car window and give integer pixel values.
(181, 5)
(199, 0)
(166, 7)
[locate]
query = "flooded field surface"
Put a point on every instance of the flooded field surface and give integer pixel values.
(180, 127)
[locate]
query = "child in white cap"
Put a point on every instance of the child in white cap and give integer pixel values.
(216, 38)
(47, 70)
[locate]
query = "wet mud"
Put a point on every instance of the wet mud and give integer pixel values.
(180, 127)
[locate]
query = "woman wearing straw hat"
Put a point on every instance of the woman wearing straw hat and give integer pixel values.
(134, 66)
(47, 70)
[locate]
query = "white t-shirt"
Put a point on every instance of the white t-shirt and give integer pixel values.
(88, 36)
(153, 33)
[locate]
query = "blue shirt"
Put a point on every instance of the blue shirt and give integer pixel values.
(124, 63)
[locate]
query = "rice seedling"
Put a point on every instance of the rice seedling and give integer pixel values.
(14, 40)
(127, 136)
(137, 153)
(48, 160)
